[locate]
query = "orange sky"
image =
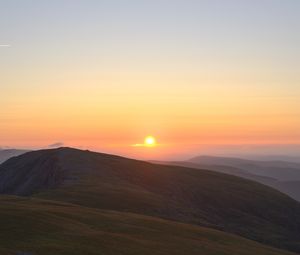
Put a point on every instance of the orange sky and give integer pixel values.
(104, 76)
(117, 116)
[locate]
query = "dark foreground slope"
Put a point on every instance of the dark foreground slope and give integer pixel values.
(40, 227)
(193, 196)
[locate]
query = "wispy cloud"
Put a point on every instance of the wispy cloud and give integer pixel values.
(56, 145)
(138, 145)
(5, 45)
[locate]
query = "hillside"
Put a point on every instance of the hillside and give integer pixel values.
(201, 197)
(281, 175)
(291, 188)
(222, 169)
(280, 170)
(34, 226)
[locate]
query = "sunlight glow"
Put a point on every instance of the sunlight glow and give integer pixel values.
(150, 141)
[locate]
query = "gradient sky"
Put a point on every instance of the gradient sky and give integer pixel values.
(104, 74)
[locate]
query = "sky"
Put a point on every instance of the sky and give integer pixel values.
(195, 74)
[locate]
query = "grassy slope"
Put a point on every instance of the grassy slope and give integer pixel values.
(47, 227)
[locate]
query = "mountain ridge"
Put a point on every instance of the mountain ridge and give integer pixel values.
(188, 195)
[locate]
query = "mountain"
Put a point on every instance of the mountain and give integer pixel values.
(222, 169)
(278, 157)
(282, 175)
(291, 188)
(9, 153)
(33, 226)
(280, 170)
(200, 197)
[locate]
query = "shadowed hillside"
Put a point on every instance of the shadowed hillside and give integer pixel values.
(200, 197)
(292, 188)
(40, 227)
(222, 169)
(280, 170)
(281, 175)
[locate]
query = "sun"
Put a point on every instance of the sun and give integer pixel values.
(150, 141)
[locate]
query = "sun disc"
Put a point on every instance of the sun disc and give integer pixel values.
(150, 141)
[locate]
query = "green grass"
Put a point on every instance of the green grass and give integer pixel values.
(42, 227)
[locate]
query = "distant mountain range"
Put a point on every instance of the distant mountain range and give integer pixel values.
(84, 198)
(275, 157)
(5, 154)
(282, 175)
(281, 170)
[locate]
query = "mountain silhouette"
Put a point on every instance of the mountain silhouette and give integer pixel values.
(193, 196)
